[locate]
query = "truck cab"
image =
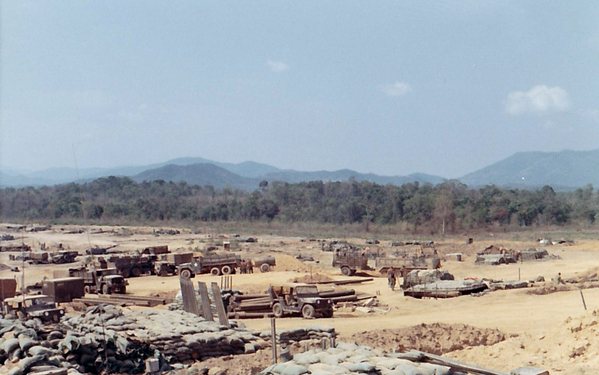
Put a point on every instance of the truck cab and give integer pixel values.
(39, 306)
(349, 259)
(299, 299)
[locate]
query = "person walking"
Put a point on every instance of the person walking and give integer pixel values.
(391, 279)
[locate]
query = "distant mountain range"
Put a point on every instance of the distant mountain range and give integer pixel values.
(564, 170)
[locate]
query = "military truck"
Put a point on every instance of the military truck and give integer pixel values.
(105, 281)
(133, 265)
(169, 263)
(350, 259)
(214, 264)
(31, 307)
(39, 257)
(301, 300)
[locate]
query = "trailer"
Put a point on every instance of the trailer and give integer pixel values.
(214, 264)
(265, 264)
(64, 289)
(401, 266)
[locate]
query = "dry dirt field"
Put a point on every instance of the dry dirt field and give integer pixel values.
(543, 327)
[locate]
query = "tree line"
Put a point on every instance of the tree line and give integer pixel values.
(449, 207)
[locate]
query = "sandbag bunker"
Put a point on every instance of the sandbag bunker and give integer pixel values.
(117, 341)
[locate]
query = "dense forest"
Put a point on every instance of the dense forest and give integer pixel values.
(450, 207)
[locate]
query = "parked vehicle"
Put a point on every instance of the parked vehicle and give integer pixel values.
(300, 299)
(64, 289)
(133, 265)
(30, 307)
(169, 263)
(265, 263)
(64, 256)
(350, 259)
(401, 266)
(214, 264)
(105, 281)
(39, 257)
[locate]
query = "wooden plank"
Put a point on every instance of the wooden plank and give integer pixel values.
(205, 300)
(453, 364)
(190, 301)
(342, 282)
(220, 308)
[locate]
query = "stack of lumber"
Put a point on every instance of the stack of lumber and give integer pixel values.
(123, 300)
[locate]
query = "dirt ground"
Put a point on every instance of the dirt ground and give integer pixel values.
(542, 326)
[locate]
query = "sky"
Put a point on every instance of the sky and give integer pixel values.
(387, 87)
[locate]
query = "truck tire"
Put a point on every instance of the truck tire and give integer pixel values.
(346, 271)
(125, 272)
(264, 267)
(215, 271)
(185, 273)
(105, 289)
(87, 289)
(163, 273)
(136, 272)
(277, 310)
(308, 311)
(226, 270)
(328, 313)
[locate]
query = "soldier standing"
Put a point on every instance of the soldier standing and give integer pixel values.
(391, 279)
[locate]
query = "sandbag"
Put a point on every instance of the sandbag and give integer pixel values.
(26, 342)
(9, 345)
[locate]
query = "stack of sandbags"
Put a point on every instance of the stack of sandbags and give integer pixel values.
(179, 336)
(353, 359)
(302, 334)
(23, 351)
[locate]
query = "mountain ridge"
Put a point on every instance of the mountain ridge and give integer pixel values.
(563, 170)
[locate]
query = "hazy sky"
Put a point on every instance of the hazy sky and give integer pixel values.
(389, 87)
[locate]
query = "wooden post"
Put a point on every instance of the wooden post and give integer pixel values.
(188, 294)
(223, 319)
(206, 309)
(273, 339)
(583, 302)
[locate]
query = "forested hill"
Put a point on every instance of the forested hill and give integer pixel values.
(199, 174)
(450, 206)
